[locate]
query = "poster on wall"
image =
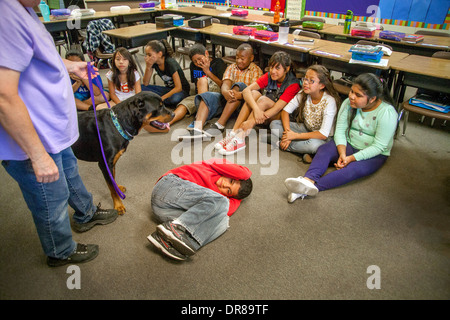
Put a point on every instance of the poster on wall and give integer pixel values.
(294, 9)
(428, 11)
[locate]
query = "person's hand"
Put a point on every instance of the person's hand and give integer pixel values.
(343, 161)
(204, 64)
(45, 169)
(79, 68)
(229, 95)
(259, 115)
(284, 144)
(289, 135)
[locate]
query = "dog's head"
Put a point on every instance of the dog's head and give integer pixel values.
(143, 108)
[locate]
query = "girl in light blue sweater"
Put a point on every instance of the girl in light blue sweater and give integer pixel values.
(363, 140)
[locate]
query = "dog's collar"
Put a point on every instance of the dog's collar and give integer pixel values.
(119, 128)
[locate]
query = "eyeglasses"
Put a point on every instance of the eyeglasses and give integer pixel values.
(310, 81)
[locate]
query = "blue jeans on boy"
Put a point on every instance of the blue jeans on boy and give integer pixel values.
(201, 211)
(48, 202)
(327, 154)
(215, 101)
(170, 102)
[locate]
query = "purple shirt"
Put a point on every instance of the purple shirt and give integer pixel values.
(44, 83)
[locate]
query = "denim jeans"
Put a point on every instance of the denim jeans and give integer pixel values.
(201, 211)
(170, 102)
(327, 154)
(309, 146)
(48, 202)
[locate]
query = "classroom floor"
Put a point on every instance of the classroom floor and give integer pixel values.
(317, 248)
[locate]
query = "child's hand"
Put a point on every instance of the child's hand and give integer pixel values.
(342, 162)
(284, 144)
(204, 64)
(289, 135)
(229, 96)
(259, 115)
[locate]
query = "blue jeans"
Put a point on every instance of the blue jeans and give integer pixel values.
(327, 154)
(201, 211)
(298, 146)
(48, 202)
(170, 102)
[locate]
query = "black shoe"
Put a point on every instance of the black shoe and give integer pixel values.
(165, 247)
(101, 216)
(82, 253)
(177, 236)
(214, 130)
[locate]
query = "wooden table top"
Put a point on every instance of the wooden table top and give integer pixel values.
(136, 31)
(428, 66)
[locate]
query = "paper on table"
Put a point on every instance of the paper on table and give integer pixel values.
(382, 63)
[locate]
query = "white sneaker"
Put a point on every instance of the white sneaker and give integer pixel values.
(222, 143)
(301, 185)
(294, 196)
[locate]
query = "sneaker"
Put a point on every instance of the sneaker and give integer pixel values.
(222, 143)
(301, 185)
(307, 158)
(165, 247)
(101, 216)
(214, 130)
(82, 253)
(292, 196)
(194, 135)
(177, 236)
(232, 147)
(191, 126)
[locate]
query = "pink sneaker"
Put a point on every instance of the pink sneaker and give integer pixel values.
(232, 147)
(222, 143)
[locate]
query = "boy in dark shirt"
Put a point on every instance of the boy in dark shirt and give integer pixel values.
(206, 74)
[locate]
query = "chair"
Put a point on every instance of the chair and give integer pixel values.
(309, 18)
(300, 68)
(309, 34)
(432, 33)
(406, 107)
(108, 56)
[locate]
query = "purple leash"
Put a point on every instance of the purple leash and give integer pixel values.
(91, 89)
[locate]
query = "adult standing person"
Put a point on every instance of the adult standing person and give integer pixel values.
(38, 124)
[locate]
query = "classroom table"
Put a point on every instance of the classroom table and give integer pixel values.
(118, 18)
(421, 72)
(336, 57)
(430, 44)
(139, 35)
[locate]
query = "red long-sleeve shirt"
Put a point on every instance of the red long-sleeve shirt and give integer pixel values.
(206, 173)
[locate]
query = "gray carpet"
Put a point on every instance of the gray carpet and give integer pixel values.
(317, 248)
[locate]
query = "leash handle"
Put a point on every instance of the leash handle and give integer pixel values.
(90, 71)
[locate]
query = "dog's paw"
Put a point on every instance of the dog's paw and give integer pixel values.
(120, 209)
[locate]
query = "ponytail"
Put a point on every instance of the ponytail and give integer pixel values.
(161, 46)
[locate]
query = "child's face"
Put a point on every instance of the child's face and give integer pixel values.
(74, 58)
(278, 72)
(311, 82)
(359, 99)
(151, 57)
(243, 59)
(199, 59)
(121, 63)
(228, 187)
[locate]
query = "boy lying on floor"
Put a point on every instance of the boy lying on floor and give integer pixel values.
(194, 203)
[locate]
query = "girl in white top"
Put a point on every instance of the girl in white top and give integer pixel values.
(307, 121)
(123, 78)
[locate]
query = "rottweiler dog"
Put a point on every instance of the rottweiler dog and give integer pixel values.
(117, 127)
